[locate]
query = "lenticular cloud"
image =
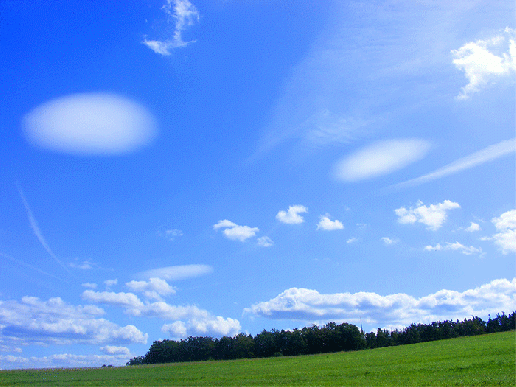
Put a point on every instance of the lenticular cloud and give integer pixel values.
(89, 124)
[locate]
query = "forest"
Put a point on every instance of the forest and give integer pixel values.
(313, 340)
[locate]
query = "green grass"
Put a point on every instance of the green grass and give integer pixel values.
(487, 360)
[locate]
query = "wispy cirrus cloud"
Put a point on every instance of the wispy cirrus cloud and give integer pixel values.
(183, 14)
(90, 124)
(485, 155)
(380, 158)
(466, 250)
(176, 273)
(481, 64)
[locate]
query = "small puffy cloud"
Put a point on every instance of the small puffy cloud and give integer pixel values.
(432, 216)
(388, 241)
(235, 232)
(183, 13)
(85, 265)
(473, 227)
(173, 233)
(485, 62)
(209, 326)
(456, 246)
(390, 310)
(110, 283)
(114, 350)
(90, 124)
(153, 288)
(265, 241)
(380, 158)
(63, 360)
(352, 240)
(177, 273)
(112, 298)
(291, 216)
(326, 224)
(506, 227)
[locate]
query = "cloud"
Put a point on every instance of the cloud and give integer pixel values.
(326, 224)
(210, 326)
(110, 283)
(128, 300)
(90, 124)
(506, 227)
(352, 240)
(394, 309)
(292, 215)
(433, 216)
(490, 153)
(235, 232)
(154, 288)
(388, 241)
(177, 273)
(35, 228)
(171, 234)
(114, 350)
(456, 246)
(482, 66)
(33, 321)
(183, 14)
(380, 158)
(473, 227)
(89, 285)
(265, 241)
(63, 360)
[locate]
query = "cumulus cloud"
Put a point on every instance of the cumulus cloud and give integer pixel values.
(291, 216)
(456, 246)
(388, 241)
(210, 326)
(153, 288)
(114, 350)
(183, 14)
(235, 232)
(380, 158)
(326, 224)
(473, 227)
(177, 273)
(481, 64)
(432, 216)
(57, 322)
(265, 241)
(506, 227)
(485, 155)
(90, 124)
(394, 309)
(63, 360)
(110, 283)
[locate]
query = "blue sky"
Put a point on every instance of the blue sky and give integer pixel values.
(173, 168)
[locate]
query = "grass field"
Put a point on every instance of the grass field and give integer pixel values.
(487, 360)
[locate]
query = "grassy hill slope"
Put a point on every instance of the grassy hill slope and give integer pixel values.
(487, 360)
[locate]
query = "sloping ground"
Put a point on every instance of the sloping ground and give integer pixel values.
(487, 360)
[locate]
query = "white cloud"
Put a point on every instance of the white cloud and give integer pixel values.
(177, 273)
(110, 283)
(210, 326)
(481, 64)
(235, 232)
(128, 300)
(153, 288)
(172, 233)
(89, 285)
(388, 241)
(393, 309)
(380, 158)
(326, 224)
(490, 153)
(33, 321)
(265, 241)
(432, 216)
(506, 227)
(183, 14)
(90, 124)
(473, 227)
(114, 350)
(456, 246)
(63, 360)
(352, 240)
(291, 216)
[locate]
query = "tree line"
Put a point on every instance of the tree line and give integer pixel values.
(312, 340)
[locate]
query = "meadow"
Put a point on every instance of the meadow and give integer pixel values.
(486, 360)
